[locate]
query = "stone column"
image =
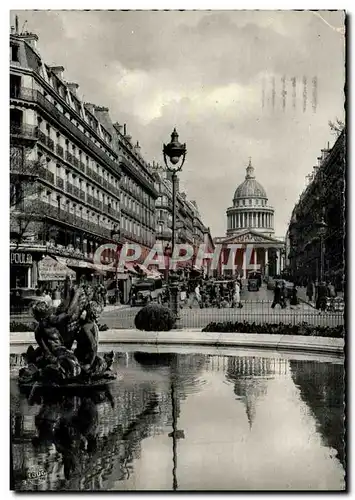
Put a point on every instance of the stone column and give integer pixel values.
(29, 277)
(263, 219)
(255, 258)
(266, 262)
(244, 263)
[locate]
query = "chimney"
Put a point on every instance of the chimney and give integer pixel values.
(16, 25)
(73, 87)
(57, 70)
(137, 148)
(13, 32)
(319, 161)
(118, 127)
(90, 107)
(30, 38)
(124, 129)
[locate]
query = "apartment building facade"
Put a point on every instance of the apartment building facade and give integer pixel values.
(75, 205)
(316, 233)
(189, 226)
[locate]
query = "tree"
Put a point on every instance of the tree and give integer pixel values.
(336, 127)
(24, 191)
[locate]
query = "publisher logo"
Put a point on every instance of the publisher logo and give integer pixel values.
(36, 475)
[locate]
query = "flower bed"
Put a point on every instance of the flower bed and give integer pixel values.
(276, 328)
(16, 326)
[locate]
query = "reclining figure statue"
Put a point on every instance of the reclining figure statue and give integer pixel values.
(54, 361)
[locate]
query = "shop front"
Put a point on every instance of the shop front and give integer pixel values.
(21, 269)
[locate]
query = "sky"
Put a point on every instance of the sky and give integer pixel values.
(210, 74)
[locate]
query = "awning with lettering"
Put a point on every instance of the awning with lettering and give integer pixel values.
(51, 270)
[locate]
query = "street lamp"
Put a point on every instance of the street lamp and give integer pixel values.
(322, 229)
(175, 152)
(115, 235)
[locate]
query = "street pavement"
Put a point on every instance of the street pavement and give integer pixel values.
(256, 309)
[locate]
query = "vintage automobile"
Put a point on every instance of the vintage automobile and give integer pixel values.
(254, 281)
(147, 290)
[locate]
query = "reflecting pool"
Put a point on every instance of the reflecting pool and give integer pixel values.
(187, 421)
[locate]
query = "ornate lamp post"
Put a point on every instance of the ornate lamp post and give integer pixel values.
(115, 235)
(322, 229)
(175, 152)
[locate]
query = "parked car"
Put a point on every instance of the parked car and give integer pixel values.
(147, 290)
(254, 281)
(22, 299)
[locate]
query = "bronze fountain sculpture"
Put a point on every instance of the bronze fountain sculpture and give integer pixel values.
(54, 363)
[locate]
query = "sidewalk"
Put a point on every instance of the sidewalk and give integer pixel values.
(119, 307)
(302, 294)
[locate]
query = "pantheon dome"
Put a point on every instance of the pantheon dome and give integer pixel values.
(250, 208)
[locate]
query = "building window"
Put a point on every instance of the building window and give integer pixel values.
(15, 53)
(250, 202)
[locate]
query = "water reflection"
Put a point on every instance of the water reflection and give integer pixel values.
(322, 389)
(187, 422)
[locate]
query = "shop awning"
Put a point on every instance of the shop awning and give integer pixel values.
(52, 270)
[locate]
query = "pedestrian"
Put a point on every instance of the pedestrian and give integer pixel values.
(236, 296)
(321, 302)
(283, 295)
(331, 290)
(196, 296)
(277, 296)
(294, 298)
(310, 290)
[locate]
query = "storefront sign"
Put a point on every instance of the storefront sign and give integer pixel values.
(20, 258)
(52, 270)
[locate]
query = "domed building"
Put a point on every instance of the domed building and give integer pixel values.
(250, 208)
(250, 228)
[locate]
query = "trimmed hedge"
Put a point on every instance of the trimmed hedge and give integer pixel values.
(154, 318)
(276, 328)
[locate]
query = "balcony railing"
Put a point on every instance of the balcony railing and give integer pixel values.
(44, 209)
(76, 191)
(24, 130)
(60, 150)
(60, 183)
(82, 166)
(32, 95)
(46, 175)
(69, 188)
(82, 195)
(69, 157)
(50, 143)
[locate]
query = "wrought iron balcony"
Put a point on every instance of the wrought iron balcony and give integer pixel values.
(60, 183)
(46, 175)
(24, 131)
(45, 210)
(69, 188)
(60, 150)
(82, 195)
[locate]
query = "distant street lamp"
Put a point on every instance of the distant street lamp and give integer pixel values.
(322, 229)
